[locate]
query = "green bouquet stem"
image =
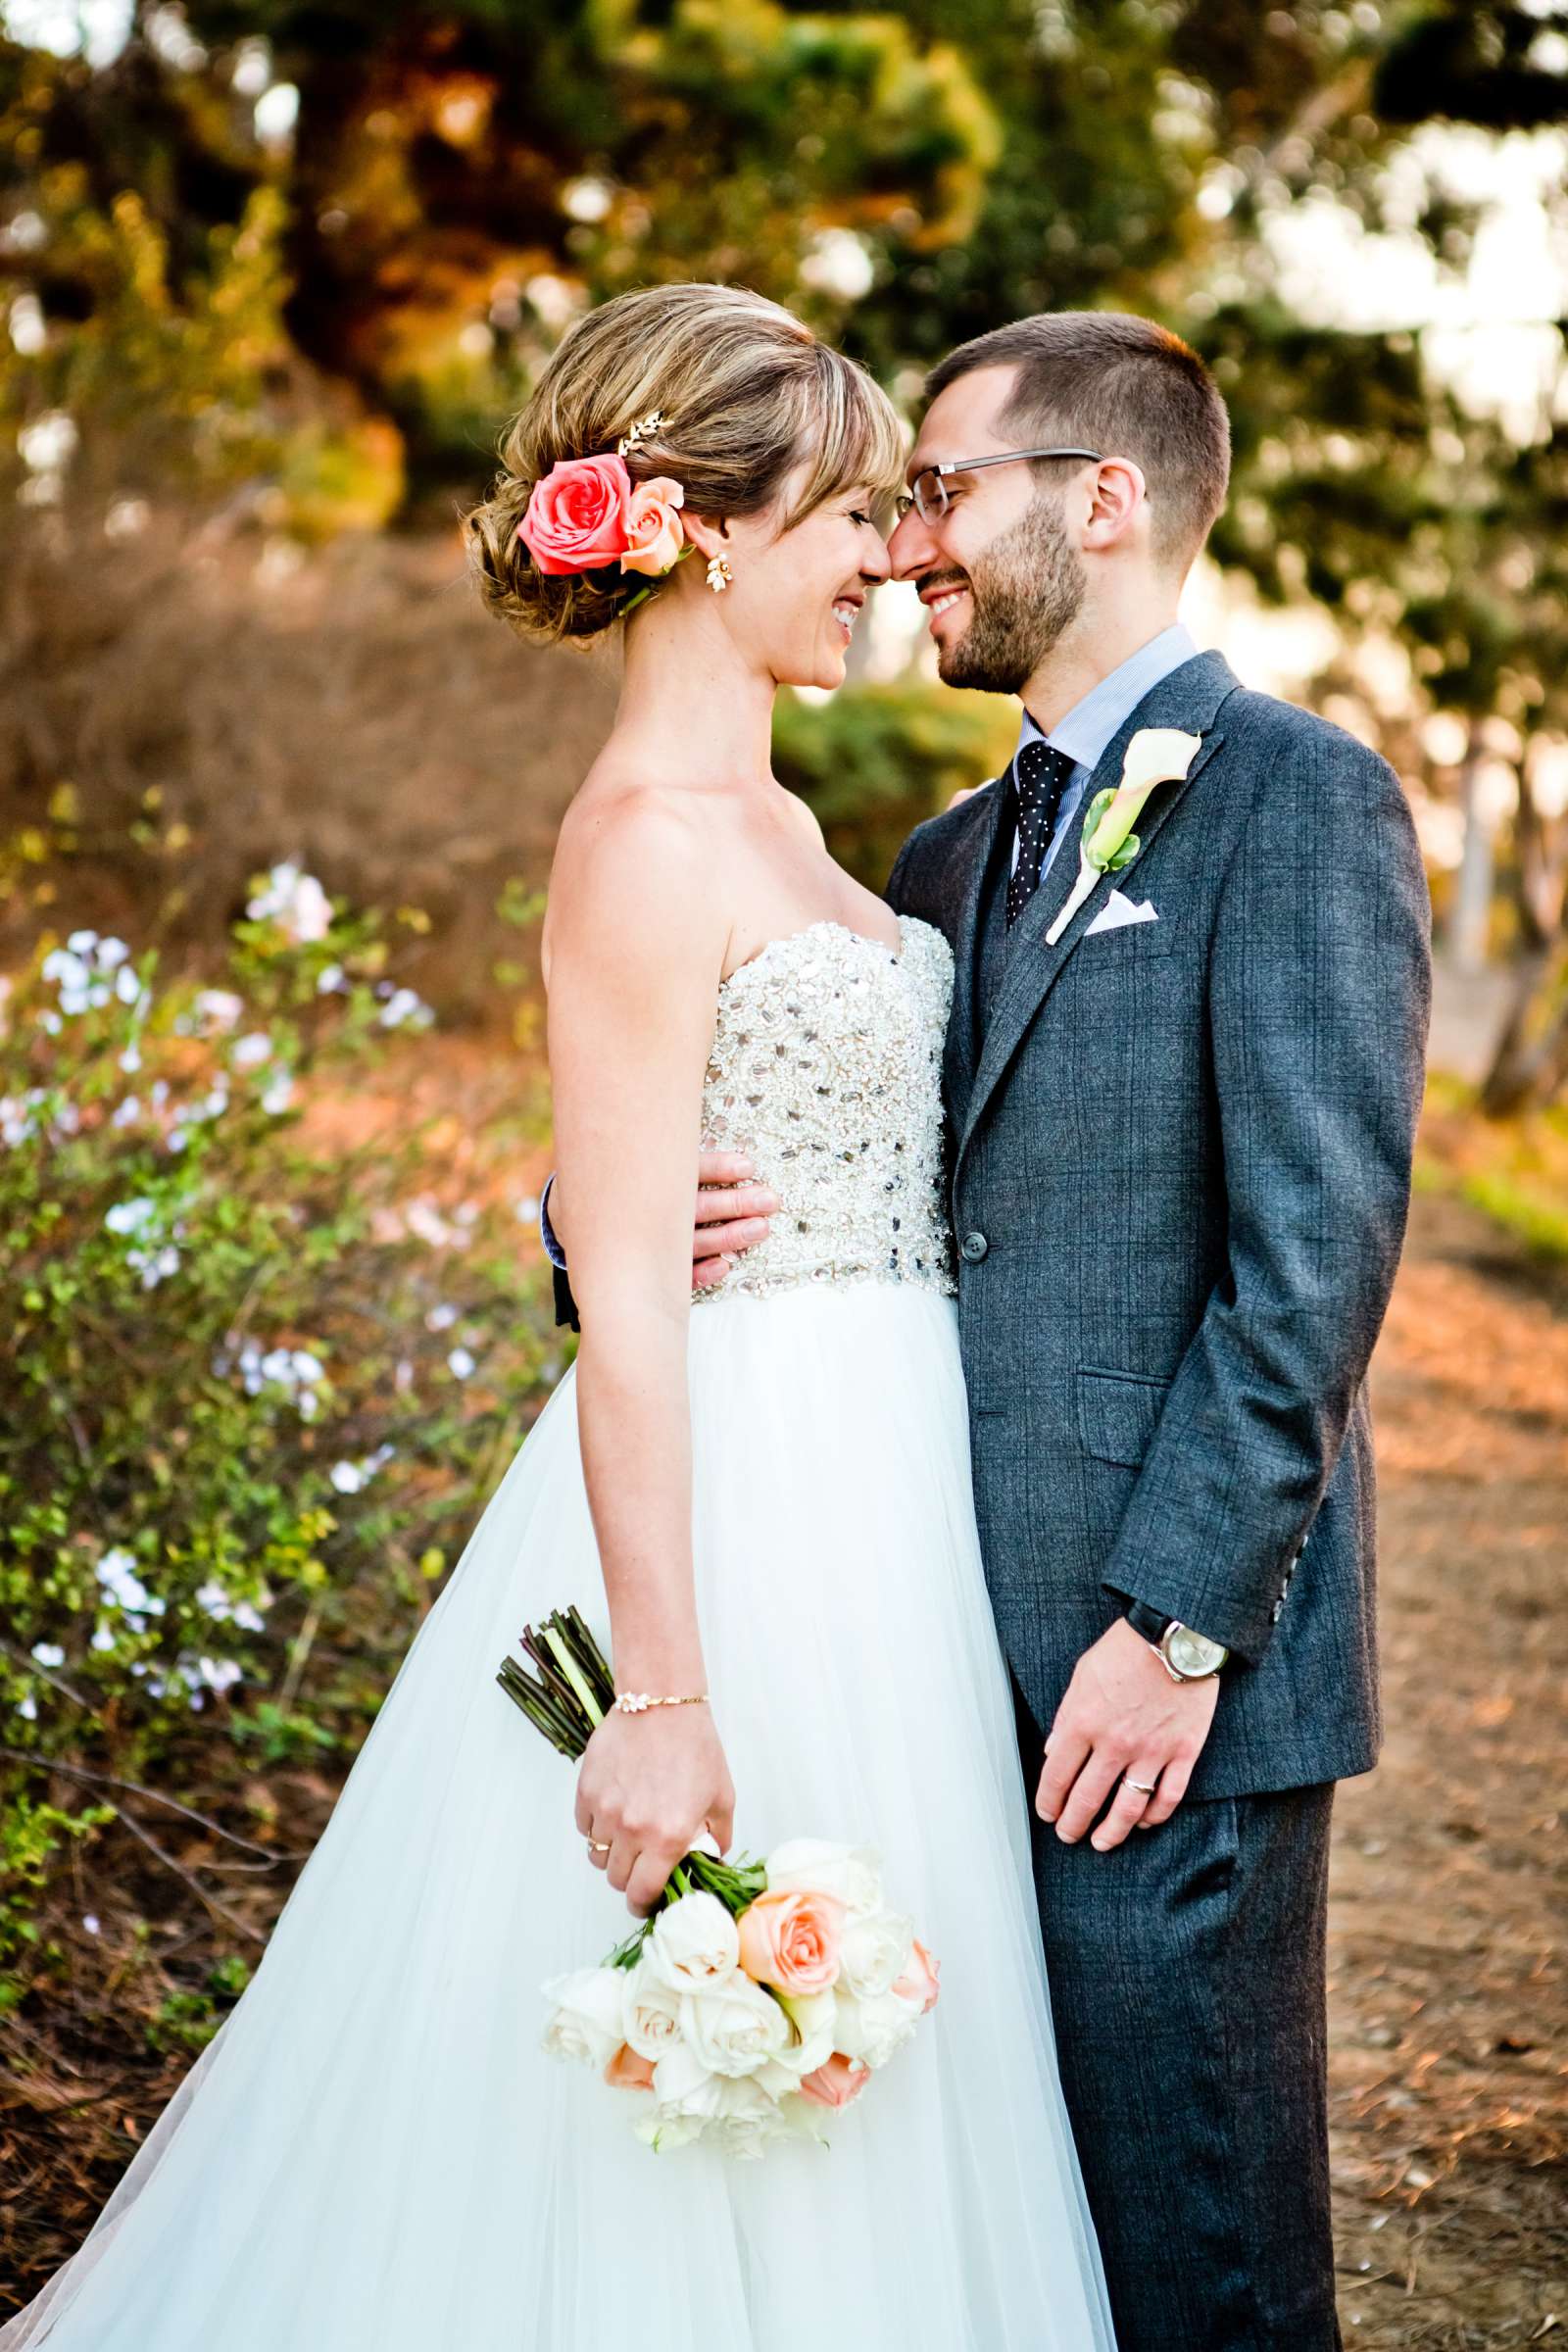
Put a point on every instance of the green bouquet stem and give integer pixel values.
(567, 1698)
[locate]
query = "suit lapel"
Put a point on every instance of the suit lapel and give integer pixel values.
(963, 1022)
(1189, 697)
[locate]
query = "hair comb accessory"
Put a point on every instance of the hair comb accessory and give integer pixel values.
(643, 430)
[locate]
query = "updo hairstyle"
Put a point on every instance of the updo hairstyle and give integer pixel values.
(748, 392)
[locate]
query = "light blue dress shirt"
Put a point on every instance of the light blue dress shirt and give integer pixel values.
(1083, 735)
(1086, 729)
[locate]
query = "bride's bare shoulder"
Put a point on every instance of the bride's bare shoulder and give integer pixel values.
(621, 826)
(636, 860)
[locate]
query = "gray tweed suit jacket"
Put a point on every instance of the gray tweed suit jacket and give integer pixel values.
(1180, 1166)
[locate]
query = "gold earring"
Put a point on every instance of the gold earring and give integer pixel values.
(719, 574)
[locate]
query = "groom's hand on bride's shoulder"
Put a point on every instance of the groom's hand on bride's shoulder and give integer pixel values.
(732, 1216)
(1124, 1728)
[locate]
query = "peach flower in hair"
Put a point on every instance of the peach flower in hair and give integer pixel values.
(654, 536)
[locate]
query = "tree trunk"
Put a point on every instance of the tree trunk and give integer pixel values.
(1470, 921)
(1529, 1063)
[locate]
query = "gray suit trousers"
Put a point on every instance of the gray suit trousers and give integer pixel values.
(1187, 1988)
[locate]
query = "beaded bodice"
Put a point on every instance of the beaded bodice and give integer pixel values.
(826, 1068)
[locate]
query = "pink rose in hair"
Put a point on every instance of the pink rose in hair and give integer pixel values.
(837, 2083)
(576, 516)
(654, 536)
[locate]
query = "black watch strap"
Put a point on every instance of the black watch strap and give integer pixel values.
(1148, 1622)
(565, 1303)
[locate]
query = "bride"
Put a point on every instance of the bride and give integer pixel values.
(758, 1497)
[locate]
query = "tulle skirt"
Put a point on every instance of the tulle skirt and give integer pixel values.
(374, 2155)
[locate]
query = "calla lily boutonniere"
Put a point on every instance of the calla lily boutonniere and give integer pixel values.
(1107, 843)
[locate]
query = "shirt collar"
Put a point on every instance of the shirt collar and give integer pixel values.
(1084, 731)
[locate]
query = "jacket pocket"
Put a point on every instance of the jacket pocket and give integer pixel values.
(1129, 942)
(1118, 1413)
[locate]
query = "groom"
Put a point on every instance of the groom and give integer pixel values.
(1180, 1130)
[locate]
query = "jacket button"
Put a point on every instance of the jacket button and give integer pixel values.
(974, 1247)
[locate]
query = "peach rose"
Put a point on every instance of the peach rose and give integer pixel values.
(837, 2083)
(918, 1981)
(790, 1940)
(654, 536)
(628, 2072)
(576, 516)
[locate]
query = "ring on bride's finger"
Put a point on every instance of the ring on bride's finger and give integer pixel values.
(1144, 1788)
(594, 1846)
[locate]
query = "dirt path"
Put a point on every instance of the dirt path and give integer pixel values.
(1448, 2005)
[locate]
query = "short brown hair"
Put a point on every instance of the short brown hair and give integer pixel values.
(1124, 385)
(748, 392)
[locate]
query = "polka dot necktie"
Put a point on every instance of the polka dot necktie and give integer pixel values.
(1039, 780)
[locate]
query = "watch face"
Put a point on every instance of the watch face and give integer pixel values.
(1193, 1653)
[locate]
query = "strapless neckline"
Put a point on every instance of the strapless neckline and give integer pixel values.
(790, 939)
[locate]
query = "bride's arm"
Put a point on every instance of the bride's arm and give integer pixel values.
(637, 944)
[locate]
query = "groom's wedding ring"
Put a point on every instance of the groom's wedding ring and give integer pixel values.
(1144, 1788)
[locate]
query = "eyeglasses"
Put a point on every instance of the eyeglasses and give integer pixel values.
(928, 492)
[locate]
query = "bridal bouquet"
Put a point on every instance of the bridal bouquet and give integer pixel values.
(758, 1994)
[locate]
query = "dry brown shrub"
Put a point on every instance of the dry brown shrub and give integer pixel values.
(358, 711)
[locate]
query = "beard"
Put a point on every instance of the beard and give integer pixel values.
(1025, 591)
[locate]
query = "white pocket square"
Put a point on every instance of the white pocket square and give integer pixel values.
(1119, 910)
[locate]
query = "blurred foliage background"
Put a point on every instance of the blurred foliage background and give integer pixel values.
(276, 273)
(272, 278)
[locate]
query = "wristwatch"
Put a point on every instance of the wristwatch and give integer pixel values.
(1187, 1656)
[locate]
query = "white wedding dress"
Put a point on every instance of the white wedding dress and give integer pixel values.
(374, 2154)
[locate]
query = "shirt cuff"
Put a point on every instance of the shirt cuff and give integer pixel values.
(547, 1232)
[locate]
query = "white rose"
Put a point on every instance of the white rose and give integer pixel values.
(748, 2135)
(689, 2101)
(800, 2118)
(849, 1872)
(684, 2088)
(875, 1952)
(589, 2016)
(652, 2014)
(695, 1942)
(734, 2027)
(746, 2119)
(662, 2132)
(873, 2030)
(813, 2019)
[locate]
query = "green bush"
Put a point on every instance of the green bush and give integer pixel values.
(262, 1371)
(876, 761)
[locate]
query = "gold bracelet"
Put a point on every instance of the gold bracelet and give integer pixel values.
(633, 1702)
